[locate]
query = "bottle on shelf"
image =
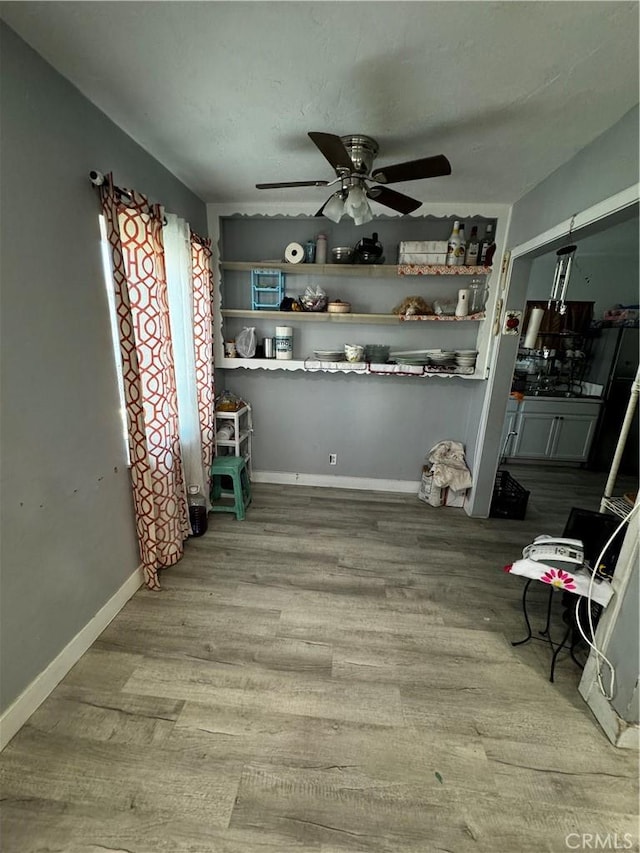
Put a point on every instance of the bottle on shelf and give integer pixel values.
(491, 250)
(197, 510)
(473, 248)
(321, 249)
(453, 247)
(461, 251)
(462, 308)
(485, 245)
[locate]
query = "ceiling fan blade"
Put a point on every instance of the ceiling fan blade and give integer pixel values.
(428, 167)
(292, 184)
(332, 147)
(391, 198)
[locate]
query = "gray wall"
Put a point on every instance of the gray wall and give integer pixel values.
(623, 651)
(606, 166)
(497, 396)
(380, 427)
(67, 529)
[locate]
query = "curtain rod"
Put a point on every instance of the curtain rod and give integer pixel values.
(98, 179)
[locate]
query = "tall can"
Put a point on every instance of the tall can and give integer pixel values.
(284, 343)
(269, 345)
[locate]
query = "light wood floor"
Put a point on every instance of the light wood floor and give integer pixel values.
(334, 674)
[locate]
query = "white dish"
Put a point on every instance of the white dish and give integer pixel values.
(416, 353)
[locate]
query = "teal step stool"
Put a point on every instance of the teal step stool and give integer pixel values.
(234, 467)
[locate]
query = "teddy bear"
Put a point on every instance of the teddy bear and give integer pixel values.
(413, 306)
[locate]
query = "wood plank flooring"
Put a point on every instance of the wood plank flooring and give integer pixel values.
(332, 675)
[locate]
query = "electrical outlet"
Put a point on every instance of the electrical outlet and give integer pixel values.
(333, 459)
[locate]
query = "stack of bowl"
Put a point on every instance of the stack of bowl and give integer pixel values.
(376, 353)
(466, 358)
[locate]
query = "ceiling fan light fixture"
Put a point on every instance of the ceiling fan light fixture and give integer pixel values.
(365, 215)
(357, 206)
(334, 208)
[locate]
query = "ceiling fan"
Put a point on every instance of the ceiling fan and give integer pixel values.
(352, 158)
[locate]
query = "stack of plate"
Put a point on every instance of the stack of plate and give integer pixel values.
(418, 357)
(329, 354)
(376, 353)
(466, 358)
(442, 358)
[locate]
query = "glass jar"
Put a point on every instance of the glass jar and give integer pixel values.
(197, 504)
(478, 292)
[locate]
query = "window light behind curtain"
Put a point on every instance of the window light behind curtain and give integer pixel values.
(168, 392)
(189, 291)
(177, 246)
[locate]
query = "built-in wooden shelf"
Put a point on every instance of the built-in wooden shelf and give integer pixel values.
(354, 270)
(363, 368)
(325, 317)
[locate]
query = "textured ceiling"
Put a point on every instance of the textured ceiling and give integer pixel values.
(223, 93)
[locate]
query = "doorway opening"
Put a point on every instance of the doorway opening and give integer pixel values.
(606, 274)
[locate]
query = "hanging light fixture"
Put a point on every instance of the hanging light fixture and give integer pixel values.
(350, 200)
(356, 204)
(334, 208)
(561, 279)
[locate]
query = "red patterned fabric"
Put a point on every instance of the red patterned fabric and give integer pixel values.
(203, 340)
(134, 231)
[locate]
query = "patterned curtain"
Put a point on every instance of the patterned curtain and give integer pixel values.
(134, 231)
(203, 344)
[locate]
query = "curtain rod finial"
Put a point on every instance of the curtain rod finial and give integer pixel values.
(96, 178)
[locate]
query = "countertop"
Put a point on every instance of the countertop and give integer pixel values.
(555, 396)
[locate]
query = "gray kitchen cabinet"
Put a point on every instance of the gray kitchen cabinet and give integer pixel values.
(573, 435)
(559, 430)
(534, 438)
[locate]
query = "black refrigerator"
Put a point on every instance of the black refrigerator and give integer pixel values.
(617, 363)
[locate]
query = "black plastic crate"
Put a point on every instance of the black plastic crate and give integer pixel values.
(509, 498)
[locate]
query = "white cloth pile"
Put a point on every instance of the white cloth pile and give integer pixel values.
(448, 466)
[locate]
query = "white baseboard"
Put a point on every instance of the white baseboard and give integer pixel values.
(291, 478)
(30, 699)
